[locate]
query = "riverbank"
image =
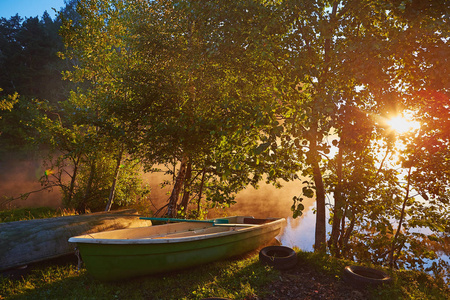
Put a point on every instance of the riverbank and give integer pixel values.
(314, 277)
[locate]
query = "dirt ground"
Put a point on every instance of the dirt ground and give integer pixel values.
(304, 282)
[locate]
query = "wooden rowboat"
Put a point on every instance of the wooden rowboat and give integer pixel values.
(132, 252)
(26, 242)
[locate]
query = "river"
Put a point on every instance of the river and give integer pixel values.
(268, 201)
(271, 202)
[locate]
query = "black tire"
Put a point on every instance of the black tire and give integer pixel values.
(279, 257)
(359, 276)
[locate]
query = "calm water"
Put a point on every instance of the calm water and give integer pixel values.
(268, 201)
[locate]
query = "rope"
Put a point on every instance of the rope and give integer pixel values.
(80, 261)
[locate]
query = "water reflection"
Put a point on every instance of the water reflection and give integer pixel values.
(268, 201)
(299, 232)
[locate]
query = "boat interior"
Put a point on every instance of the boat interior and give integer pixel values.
(177, 230)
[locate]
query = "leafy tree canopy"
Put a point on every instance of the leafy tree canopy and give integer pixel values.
(225, 94)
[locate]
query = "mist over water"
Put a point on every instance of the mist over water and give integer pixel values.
(268, 201)
(19, 177)
(264, 202)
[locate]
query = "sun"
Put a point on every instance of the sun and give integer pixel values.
(402, 124)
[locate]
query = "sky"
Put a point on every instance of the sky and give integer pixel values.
(29, 8)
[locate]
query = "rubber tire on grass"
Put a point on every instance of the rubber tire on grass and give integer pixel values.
(279, 257)
(360, 276)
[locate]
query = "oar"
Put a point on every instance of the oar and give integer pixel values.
(236, 225)
(214, 222)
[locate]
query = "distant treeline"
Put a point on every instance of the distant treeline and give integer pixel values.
(30, 67)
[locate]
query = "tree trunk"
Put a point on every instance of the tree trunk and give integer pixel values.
(400, 222)
(81, 207)
(73, 179)
(112, 191)
(338, 205)
(314, 157)
(342, 226)
(320, 234)
(187, 189)
(346, 236)
(200, 192)
(173, 199)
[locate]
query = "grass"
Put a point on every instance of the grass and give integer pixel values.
(236, 279)
(22, 214)
(243, 278)
(405, 284)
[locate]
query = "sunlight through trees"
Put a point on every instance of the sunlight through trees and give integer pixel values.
(349, 96)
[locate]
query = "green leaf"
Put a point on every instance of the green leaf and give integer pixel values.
(307, 192)
(261, 148)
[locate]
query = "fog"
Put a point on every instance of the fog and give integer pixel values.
(268, 201)
(17, 178)
(20, 177)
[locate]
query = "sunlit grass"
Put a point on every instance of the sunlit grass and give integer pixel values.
(41, 281)
(22, 214)
(236, 279)
(243, 278)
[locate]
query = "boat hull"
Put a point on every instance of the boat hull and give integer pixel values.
(26, 242)
(114, 260)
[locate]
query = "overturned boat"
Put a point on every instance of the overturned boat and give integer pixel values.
(24, 243)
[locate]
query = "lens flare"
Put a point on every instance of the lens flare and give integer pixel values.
(402, 124)
(49, 172)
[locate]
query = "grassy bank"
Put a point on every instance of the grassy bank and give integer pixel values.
(235, 279)
(243, 278)
(314, 277)
(22, 214)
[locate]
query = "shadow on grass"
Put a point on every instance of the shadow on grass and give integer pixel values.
(239, 278)
(235, 278)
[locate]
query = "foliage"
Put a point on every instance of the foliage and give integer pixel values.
(85, 167)
(16, 128)
(344, 68)
(224, 95)
(31, 69)
(170, 96)
(58, 126)
(28, 58)
(8, 102)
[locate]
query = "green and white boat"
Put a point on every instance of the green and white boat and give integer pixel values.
(126, 253)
